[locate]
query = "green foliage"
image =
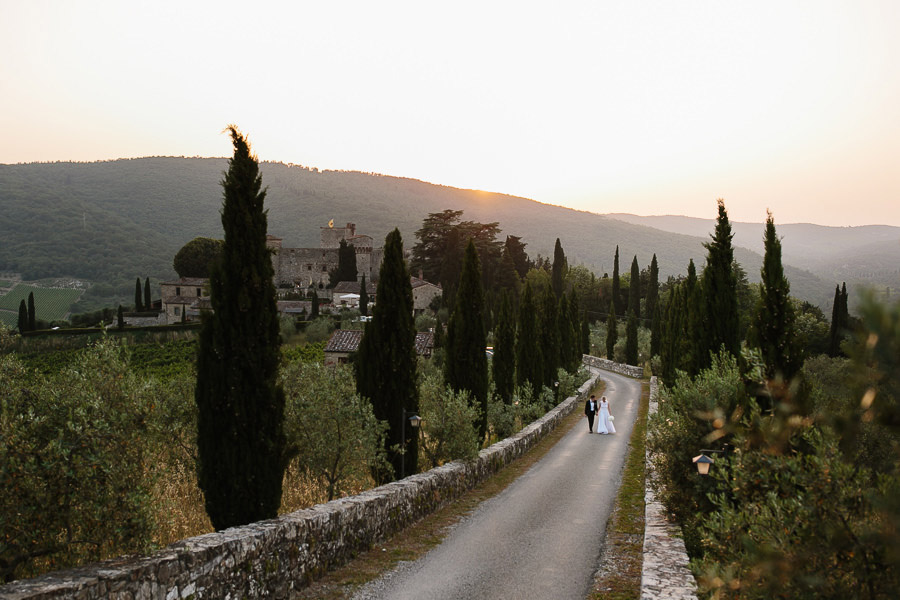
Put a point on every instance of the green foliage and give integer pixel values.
(465, 366)
(631, 341)
(138, 296)
(75, 472)
(612, 332)
(308, 352)
(617, 286)
(504, 360)
(197, 257)
(558, 273)
(386, 360)
(529, 361)
(634, 289)
(720, 323)
(774, 323)
(241, 406)
(331, 432)
(448, 417)
(346, 267)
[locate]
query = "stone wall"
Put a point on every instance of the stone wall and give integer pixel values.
(608, 365)
(665, 574)
(271, 558)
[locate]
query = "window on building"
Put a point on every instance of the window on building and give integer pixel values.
(177, 291)
(177, 311)
(199, 292)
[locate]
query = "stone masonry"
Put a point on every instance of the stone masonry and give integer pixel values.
(665, 574)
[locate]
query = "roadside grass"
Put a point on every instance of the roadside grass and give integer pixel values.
(622, 559)
(419, 538)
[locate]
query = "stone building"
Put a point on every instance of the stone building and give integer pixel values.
(308, 268)
(183, 299)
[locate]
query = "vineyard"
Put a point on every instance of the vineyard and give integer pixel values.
(50, 304)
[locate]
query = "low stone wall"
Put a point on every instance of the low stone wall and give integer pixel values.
(272, 558)
(665, 574)
(608, 365)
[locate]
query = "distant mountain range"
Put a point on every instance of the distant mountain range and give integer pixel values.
(110, 222)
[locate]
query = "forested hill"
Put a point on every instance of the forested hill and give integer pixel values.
(110, 222)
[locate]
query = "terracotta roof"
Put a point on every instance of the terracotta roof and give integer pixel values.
(347, 340)
(344, 340)
(416, 282)
(190, 281)
(352, 287)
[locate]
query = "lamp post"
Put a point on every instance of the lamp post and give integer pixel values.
(703, 461)
(414, 420)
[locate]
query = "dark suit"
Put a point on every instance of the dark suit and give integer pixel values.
(590, 412)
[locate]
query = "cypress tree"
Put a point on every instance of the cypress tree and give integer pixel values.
(585, 337)
(655, 330)
(558, 272)
(138, 296)
(567, 345)
(670, 332)
(465, 366)
(314, 308)
(631, 343)
(652, 291)
(386, 361)
(147, 303)
(834, 334)
(721, 324)
(504, 361)
(549, 336)
(689, 341)
(23, 317)
(363, 297)
(528, 350)
(774, 322)
(634, 289)
(32, 313)
(612, 335)
(120, 318)
(240, 431)
(346, 267)
(616, 286)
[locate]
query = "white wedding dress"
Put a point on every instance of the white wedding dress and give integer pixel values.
(605, 425)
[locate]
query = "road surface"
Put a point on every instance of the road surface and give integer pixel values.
(539, 538)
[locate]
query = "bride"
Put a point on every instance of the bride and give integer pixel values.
(606, 420)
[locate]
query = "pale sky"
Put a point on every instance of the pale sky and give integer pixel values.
(655, 107)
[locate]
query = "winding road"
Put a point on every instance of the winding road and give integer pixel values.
(539, 538)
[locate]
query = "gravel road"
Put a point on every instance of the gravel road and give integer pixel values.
(539, 538)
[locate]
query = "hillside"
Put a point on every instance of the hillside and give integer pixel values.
(110, 222)
(867, 255)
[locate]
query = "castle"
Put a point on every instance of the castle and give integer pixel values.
(306, 269)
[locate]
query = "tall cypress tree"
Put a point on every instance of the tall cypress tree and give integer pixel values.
(549, 336)
(616, 286)
(346, 267)
(120, 317)
(138, 296)
(721, 324)
(840, 320)
(634, 289)
(465, 366)
(558, 271)
(529, 362)
(774, 321)
(655, 330)
(147, 303)
(504, 361)
(32, 313)
(22, 323)
(612, 334)
(314, 305)
(652, 291)
(240, 431)
(631, 342)
(386, 361)
(567, 344)
(690, 339)
(363, 297)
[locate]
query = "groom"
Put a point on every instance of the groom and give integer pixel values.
(590, 409)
